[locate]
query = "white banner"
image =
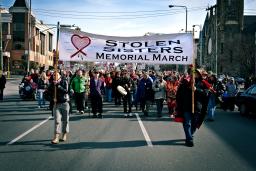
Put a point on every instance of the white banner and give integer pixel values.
(161, 49)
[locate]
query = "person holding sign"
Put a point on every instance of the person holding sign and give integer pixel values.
(191, 121)
(61, 108)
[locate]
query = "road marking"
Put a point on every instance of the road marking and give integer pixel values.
(28, 131)
(144, 131)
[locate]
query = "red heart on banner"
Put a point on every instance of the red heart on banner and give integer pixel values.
(80, 42)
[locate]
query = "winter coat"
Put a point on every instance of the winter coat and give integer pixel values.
(78, 84)
(62, 91)
(96, 88)
(145, 91)
(159, 89)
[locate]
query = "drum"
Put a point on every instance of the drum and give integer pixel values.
(121, 90)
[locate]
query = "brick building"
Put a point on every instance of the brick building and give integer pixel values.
(16, 39)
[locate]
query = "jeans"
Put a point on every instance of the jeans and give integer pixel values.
(159, 106)
(108, 94)
(189, 126)
(41, 100)
(145, 106)
(211, 106)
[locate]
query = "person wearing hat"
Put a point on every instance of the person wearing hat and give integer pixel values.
(159, 87)
(191, 121)
(127, 83)
(96, 93)
(61, 108)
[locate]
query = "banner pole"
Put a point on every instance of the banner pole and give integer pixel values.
(56, 61)
(193, 74)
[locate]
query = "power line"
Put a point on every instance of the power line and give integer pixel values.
(109, 12)
(97, 17)
(106, 18)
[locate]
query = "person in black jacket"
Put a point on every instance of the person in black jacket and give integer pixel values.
(127, 84)
(61, 108)
(184, 104)
(2, 85)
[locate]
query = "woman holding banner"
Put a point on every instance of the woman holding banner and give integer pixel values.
(61, 108)
(191, 121)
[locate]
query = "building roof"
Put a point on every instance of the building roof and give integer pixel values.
(20, 3)
(250, 23)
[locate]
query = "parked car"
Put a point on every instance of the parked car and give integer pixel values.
(246, 101)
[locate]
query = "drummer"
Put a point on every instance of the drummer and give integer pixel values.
(127, 84)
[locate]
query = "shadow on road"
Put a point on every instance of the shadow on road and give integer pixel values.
(91, 145)
(238, 132)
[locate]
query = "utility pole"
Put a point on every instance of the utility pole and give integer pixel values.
(29, 37)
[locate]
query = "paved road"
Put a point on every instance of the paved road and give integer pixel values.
(117, 143)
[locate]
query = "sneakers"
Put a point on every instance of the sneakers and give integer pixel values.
(125, 115)
(130, 114)
(81, 112)
(64, 137)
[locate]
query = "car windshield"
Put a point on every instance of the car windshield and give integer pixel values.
(252, 90)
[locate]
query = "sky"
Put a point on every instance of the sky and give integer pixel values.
(125, 17)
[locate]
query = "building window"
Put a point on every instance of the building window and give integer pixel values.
(50, 42)
(18, 30)
(37, 31)
(42, 39)
(221, 48)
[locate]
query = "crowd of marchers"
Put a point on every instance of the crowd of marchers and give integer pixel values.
(86, 90)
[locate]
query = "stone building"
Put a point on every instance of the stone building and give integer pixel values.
(227, 44)
(16, 39)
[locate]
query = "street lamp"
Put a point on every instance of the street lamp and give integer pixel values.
(201, 44)
(171, 6)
